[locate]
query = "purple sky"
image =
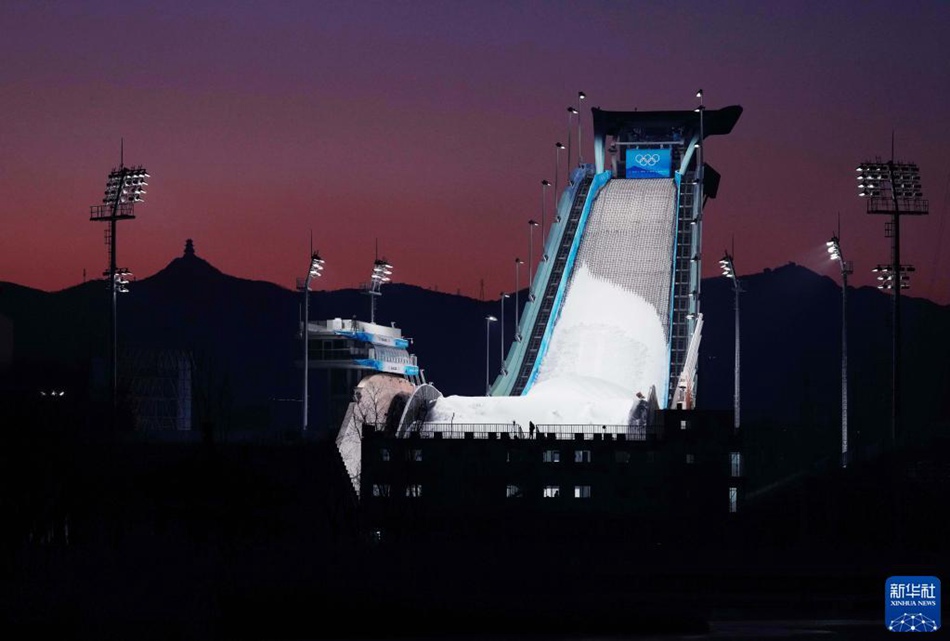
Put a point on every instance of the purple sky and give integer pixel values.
(430, 125)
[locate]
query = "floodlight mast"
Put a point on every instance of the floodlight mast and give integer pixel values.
(893, 189)
(834, 251)
(125, 186)
(382, 271)
(729, 271)
(315, 271)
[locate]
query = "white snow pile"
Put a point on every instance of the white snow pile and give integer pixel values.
(608, 344)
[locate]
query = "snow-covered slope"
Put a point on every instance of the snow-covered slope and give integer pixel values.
(610, 339)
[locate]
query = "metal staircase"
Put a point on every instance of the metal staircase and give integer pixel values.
(684, 290)
(546, 304)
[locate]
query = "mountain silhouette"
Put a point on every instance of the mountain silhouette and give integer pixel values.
(242, 335)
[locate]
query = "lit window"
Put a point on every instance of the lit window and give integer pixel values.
(552, 456)
(735, 459)
(581, 491)
(622, 457)
(684, 425)
(380, 489)
(582, 456)
(552, 491)
(414, 490)
(384, 454)
(733, 499)
(690, 459)
(513, 491)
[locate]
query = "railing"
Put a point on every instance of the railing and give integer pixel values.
(465, 430)
(554, 431)
(589, 432)
(104, 212)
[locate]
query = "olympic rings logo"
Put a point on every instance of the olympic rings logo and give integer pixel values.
(647, 160)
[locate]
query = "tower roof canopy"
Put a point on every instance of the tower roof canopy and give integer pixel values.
(716, 122)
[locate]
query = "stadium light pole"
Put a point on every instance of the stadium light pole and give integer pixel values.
(580, 96)
(571, 112)
(502, 340)
(729, 271)
(834, 251)
(488, 321)
(125, 186)
(315, 271)
(558, 147)
(544, 187)
(531, 225)
(381, 275)
(518, 264)
(893, 189)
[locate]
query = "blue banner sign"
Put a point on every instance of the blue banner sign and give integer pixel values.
(375, 339)
(648, 163)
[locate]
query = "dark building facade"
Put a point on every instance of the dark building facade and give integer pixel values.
(657, 482)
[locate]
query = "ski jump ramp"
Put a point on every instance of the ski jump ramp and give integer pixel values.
(614, 308)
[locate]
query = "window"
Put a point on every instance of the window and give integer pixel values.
(551, 491)
(622, 457)
(414, 490)
(735, 464)
(514, 456)
(384, 454)
(684, 425)
(582, 456)
(690, 459)
(581, 491)
(415, 455)
(513, 491)
(552, 456)
(733, 499)
(380, 489)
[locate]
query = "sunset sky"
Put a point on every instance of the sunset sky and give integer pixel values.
(429, 126)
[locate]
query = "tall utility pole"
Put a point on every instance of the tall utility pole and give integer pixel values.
(580, 152)
(518, 264)
(501, 342)
(124, 187)
(834, 249)
(893, 189)
(544, 186)
(571, 112)
(557, 173)
(531, 225)
(729, 271)
(488, 321)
